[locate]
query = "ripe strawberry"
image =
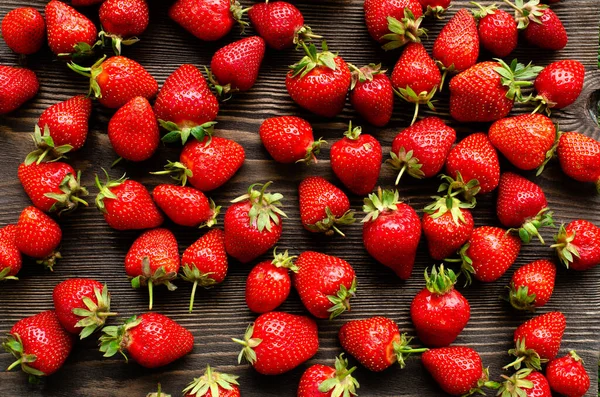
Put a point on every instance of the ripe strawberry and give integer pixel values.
(204, 263)
(117, 80)
(578, 245)
(435, 8)
(38, 236)
(24, 30)
(567, 376)
(69, 31)
(133, 130)
(525, 383)
(559, 84)
(186, 206)
(421, 149)
(319, 82)
(253, 223)
(396, 21)
(67, 121)
(122, 20)
(81, 305)
(356, 160)
(323, 381)
(391, 231)
(278, 342)
(40, 345)
(213, 383)
(372, 94)
(323, 206)
(532, 285)
(546, 31)
(289, 139)
(268, 284)
(579, 157)
(185, 105)
(10, 256)
(17, 86)
(439, 312)
(236, 65)
(127, 204)
(208, 20)
(498, 31)
(153, 259)
(151, 339)
(376, 343)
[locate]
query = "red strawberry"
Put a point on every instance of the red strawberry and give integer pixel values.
(421, 149)
(122, 20)
(579, 157)
(356, 160)
(82, 305)
(439, 312)
(212, 383)
(38, 236)
(151, 339)
(69, 31)
(391, 231)
(323, 381)
(498, 31)
(278, 342)
(532, 285)
(435, 8)
(186, 206)
(40, 344)
(525, 383)
(289, 139)
(396, 21)
(268, 284)
(578, 245)
(153, 259)
(376, 343)
(542, 27)
(24, 30)
(236, 65)
(567, 376)
(127, 204)
(67, 121)
(117, 80)
(10, 256)
(372, 94)
(559, 84)
(208, 20)
(253, 223)
(204, 263)
(323, 206)
(17, 86)
(319, 82)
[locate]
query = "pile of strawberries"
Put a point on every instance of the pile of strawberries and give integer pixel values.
(186, 107)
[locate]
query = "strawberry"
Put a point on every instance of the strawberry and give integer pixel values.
(24, 30)
(82, 305)
(151, 339)
(69, 31)
(319, 82)
(213, 383)
(117, 80)
(497, 29)
(439, 312)
(133, 130)
(40, 345)
(185, 105)
(421, 149)
(394, 22)
(122, 20)
(579, 157)
(17, 86)
(391, 231)
(376, 343)
(10, 256)
(208, 20)
(127, 204)
(525, 383)
(416, 77)
(532, 285)
(153, 259)
(567, 375)
(372, 94)
(67, 121)
(559, 84)
(253, 223)
(546, 31)
(323, 206)
(268, 284)
(186, 206)
(204, 263)
(578, 245)
(278, 342)
(323, 381)
(527, 140)
(236, 65)
(435, 8)
(356, 160)
(289, 139)
(38, 236)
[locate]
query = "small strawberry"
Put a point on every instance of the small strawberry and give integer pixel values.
(323, 381)
(151, 339)
(122, 21)
(268, 284)
(542, 27)
(497, 29)
(10, 256)
(579, 157)
(67, 122)
(525, 383)
(567, 376)
(213, 383)
(278, 342)
(356, 160)
(17, 86)
(235, 66)
(82, 305)
(391, 231)
(559, 84)
(69, 31)
(532, 285)
(208, 20)
(289, 139)
(376, 343)
(38, 236)
(253, 223)
(435, 8)
(372, 94)
(319, 82)
(323, 206)
(394, 22)
(24, 30)
(186, 206)
(578, 245)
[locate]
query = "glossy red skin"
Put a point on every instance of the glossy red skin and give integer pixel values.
(568, 377)
(24, 30)
(444, 236)
(38, 235)
(43, 178)
(267, 287)
(543, 334)
(10, 256)
(377, 11)
(549, 35)
(493, 252)
(475, 158)
(357, 163)
(538, 276)
(322, 90)
(458, 42)
(587, 241)
(125, 18)
(67, 27)
(416, 69)
(498, 33)
(540, 388)
(579, 156)
(561, 82)
(276, 22)
(17, 86)
(238, 63)
(316, 194)
(208, 20)
(312, 378)
(286, 138)
(519, 200)
(208, 255)
(68, 121)
(132, 209)
(374, 99)
(69, 295)
(159, 246)
(184, 205)
(456, 369)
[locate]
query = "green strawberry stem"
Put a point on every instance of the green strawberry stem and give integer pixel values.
(403, 31)
(520, 298)
(4, 274)
(149, 278)
(223, 92)
(566, 250)
(183, 132)
(550, 153)
(216, 210)
(158, 393)
(92, 73)
(49, 261)
(377, 203)
(531, 227)
(341, 300)
(193, 275)
(14, 346)
(238, 14)
(516, 76)
(448, 203)
(80, 50)
(435, 12)
(104, 189)
(69, 199)
(304, 34)
(312, 151)
(353, 133)
(46, 149)
(94, 316)
(526, 13)
(403, 350)
(528, 357)
(114, 339)
(211, 380)
(468, 190)
(116, 41)
(177, 171)
(483, 11)
(515, 385)
(329, 224)
(248, 344)
(265, 206)
(364, 74)
(466, 268)
(284, 261)
(409, 95)
(405, 162)
(313, 59)
(342, 383)
(483, 382)
(441, 281)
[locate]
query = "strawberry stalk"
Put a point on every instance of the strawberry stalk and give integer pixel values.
(92, 73)
(49, 261)
(238, 14)
(405, 162)
(531, 227)
(377, 203)
(177, 132)
(14, 346)
(177, 171)
(329, 225)
(422, 98)
(342, 383)
(312, 59)
(403, 31)
(566, 250)
(341, 300)
(4, 274)
(248, 344)
(104, 189)
(528, 357)
(158, 393)
(449, 203)
(115, 338)
(116, 41)
(304, 34)
(223, 92)
(441, 281)
(468, 190)
(520, 298)
(312, 152)
(550, 153)
(95, 315)
(403, 350)
(265, 206)
(466, 268)
(527, 12)
(211, 380)
(150, 279)
(46, 149)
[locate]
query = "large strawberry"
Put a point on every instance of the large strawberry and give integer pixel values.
(208, 20)
(372, 94)
(559, 84)
(24, 30)
(567, 375)
(185, 205)
(289, 139)
(10, 256)
(69, 31)
(122, 21)
(532, 285)
(235, 66)
(268, 284)
(17, 86)
(578, 245)
(67, 122)
(324, 381)
(579, 157)
(38, 236)
(497, 29)
(278, 342)
(394, 22)
(541, 25)
(525, 383)
(212, 383)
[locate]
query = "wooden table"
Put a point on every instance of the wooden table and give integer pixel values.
(92, 249)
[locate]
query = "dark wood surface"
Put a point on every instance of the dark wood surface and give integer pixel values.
(92, 249)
